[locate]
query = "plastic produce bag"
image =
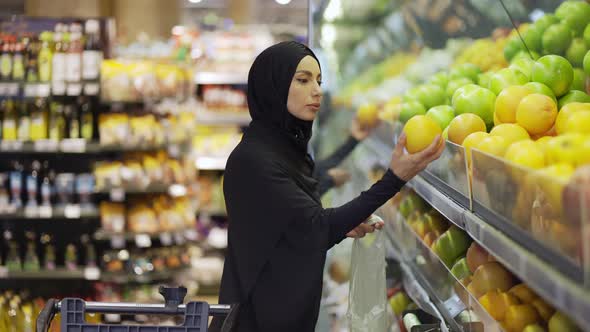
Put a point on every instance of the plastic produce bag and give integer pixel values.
(367, 301)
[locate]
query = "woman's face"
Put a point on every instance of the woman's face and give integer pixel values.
(305, 93)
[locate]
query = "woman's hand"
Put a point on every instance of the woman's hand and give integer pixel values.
(405, 166)
(360, 132)
(362, 229)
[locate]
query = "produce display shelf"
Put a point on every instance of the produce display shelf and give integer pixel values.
(71, 146)
(547, 280)
(221, 118)
(211, 162)
(221, 78)
(88, 273)
(45, 89)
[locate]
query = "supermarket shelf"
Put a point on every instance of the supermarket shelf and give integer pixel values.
(42, 89)
(89, 273)
(210, 163)
(118, 194)
(144, 240)
(70, 146)
(545, 279)
(220, 118)
(447, 206)
(143, 278)
(221, 78)
(73, 212)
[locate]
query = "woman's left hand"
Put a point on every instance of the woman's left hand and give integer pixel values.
(362, 229)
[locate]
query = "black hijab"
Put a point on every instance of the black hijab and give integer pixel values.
(268, 89)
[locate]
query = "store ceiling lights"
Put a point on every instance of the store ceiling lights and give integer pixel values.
(333, 11)
(283, 2)
(194, 1)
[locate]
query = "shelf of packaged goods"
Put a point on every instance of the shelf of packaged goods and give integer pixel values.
(211, 162)
(42, 213)
(547, 280)
(70, 146)
(117, 194)
(88, 273)
(123, 278)
(144, 240)
(211, 78)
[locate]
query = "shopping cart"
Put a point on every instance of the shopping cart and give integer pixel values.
(196, 314)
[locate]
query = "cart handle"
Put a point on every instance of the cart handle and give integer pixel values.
(53, 306)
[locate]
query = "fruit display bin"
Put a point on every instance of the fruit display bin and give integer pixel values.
(458, 307)
(545, 214)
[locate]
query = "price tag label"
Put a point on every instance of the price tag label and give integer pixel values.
(143, 241)
(11, 145)
(91, 89)
(45, 145)
(117, 194)
(12, 89)
(117, 241)
(31, 211)
(91, 273)
(45, 211)
(58, 88)
(74, 145)
(44, 90)
(72, 211)
(31, 90)
(74, 89)
(166, 239)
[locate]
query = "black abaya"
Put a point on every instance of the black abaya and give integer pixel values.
(278, 230)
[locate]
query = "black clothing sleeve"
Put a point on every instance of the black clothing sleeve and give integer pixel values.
(322, 166)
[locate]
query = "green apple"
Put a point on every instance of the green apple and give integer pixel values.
(576, 52)
(483, 79)
(441, 79)
(559, 322)
(442, 115)
(542, 89)
(513, 46)
(587, 63)
(524, 65)
(533, 328)
(456, 84)
(409, 109)
(562, 11)
(577, 17)
(467, 70)
(505, 78)
(556, 39)
(479, 101)
(525, 54)
(546, 21)
(533, 37)
(587, 35)
(412, 202)
(574, 96)
(436, 222)
(555, 72)
(460, 269)
(579, 82)
(399, 302)
(429, 95)
(451, 244)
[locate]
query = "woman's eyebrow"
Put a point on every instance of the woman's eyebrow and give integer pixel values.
(307, 72)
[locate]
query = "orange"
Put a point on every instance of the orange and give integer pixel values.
(565, 112)
(511, 132)
(536, 113)
(507, 102)
(463, 125)
(420, 133)
(494, 145)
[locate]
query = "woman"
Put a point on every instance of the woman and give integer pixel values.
(279, 233)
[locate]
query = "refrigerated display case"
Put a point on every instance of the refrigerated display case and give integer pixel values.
(532, 218)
